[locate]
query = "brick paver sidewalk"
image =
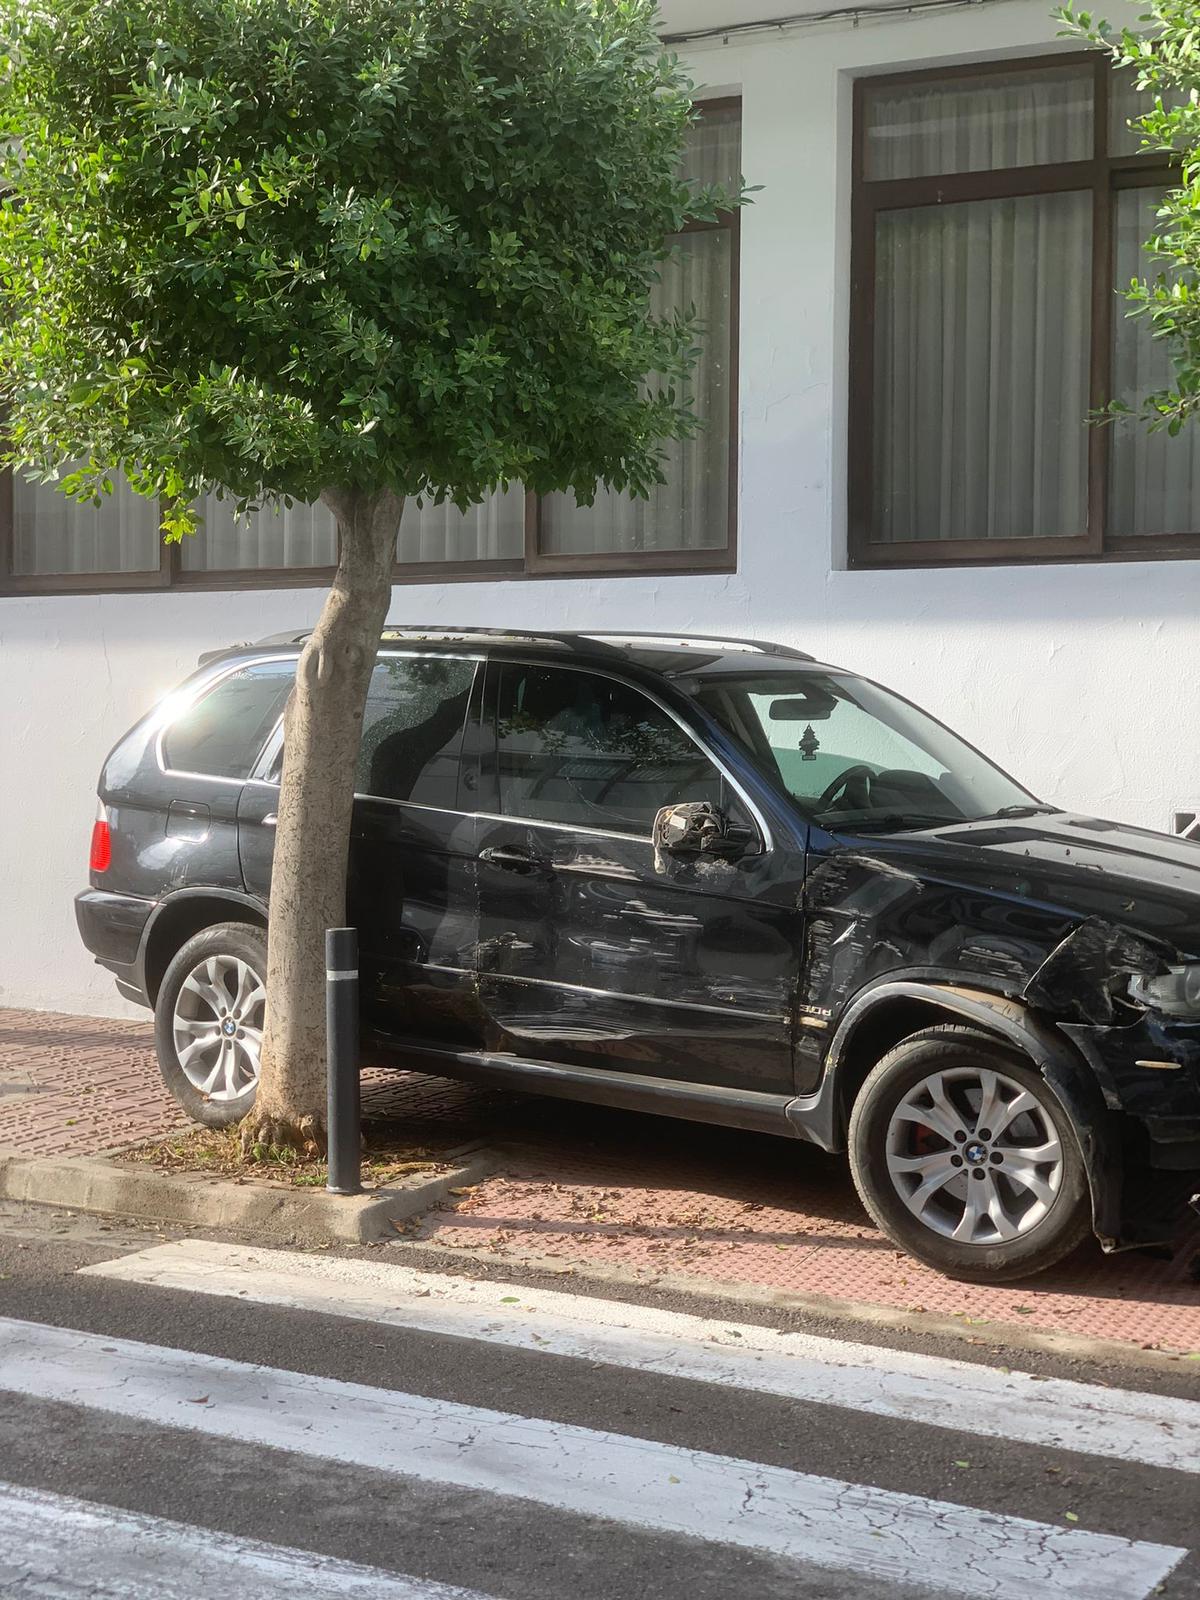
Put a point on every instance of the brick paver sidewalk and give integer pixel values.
(74, 1086)
(81, 1086)
(658, 1199)
(598, 1189)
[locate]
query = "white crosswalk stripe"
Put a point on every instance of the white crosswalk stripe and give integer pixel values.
(959, 1395)
(55, 1547)
(823, 1522)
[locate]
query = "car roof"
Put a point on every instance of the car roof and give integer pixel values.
(668, 654)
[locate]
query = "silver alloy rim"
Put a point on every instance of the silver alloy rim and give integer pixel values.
(974, 1156)
(217, 1027)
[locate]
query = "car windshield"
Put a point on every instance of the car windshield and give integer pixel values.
(852, 755)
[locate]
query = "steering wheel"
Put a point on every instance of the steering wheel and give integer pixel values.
(853, 785)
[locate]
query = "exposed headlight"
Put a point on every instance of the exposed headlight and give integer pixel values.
(1176, 992)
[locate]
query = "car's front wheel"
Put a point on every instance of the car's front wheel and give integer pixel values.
(208, 1022)
(966, 1159)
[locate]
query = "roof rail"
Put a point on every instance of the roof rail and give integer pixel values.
(609, 640)
(439, 631)
(767, 646)
(442, 631)
(291, 636)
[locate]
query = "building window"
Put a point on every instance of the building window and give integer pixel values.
(998, 210)
(49, 542)
(689, 521)
(276, 543)
(688, 524)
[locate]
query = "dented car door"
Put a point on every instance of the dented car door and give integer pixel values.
(598, 950)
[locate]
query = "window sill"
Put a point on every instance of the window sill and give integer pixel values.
(1062, 553)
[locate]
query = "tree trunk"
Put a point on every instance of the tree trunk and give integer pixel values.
(322, 729)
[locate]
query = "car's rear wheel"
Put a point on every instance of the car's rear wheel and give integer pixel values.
(208, 1022)
(966, 1158)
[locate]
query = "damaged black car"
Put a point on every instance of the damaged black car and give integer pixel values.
(707, 878)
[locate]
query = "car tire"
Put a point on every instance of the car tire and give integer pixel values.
(1017, 1199)
(208, 1020)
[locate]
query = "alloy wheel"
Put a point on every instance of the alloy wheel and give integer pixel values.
(974, 1155)
(218, 1026)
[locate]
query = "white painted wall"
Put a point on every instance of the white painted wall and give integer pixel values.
(1083, 680)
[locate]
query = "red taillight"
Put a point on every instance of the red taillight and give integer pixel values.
(101, 853)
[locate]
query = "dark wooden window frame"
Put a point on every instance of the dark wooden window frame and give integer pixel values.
(533, 563)
(1103, 175)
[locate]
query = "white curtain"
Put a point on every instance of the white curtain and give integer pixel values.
(1125, 102)
(1155, 480)
(54, 536)
(977, 124)
(691, 510)
(305, 536)
(714, 146)
(492, 531)
(982, 317)
(982, 333)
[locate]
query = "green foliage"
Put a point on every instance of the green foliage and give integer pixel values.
(1166, 59)
(272, 246)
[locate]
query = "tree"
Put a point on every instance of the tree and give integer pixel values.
(358, 250)
(1166, 59)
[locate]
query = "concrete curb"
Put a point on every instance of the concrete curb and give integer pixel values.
(267, 1210)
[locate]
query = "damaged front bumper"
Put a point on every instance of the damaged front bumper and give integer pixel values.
(1148, 1071)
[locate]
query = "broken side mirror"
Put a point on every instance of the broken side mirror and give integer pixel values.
(698, 828)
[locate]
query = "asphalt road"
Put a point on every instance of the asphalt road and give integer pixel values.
(171, 1441)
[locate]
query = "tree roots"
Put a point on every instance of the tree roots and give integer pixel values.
(261, 1133)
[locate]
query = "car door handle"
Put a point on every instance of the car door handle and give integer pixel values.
(511, 857)
(271, 820)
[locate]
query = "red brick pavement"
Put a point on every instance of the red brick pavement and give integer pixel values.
(661, 1199)
(80, 1086)
(594, 1188)
(75, 1086)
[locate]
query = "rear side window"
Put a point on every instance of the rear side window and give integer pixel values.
(223, 732)
(588, 752)
(413, 730)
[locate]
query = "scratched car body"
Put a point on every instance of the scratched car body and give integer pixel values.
(706, 878)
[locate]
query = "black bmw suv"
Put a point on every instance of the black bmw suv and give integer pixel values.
(709, 878)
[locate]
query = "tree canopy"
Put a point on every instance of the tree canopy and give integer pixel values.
(270, 246)
(1164, 52)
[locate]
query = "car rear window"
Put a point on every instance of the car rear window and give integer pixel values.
(221, 734)
(413, 729)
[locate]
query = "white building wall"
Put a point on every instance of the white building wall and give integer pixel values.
(1082, 680)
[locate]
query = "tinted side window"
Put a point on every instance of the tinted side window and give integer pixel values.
(413, 729)
(592, 753)
(223, 732)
